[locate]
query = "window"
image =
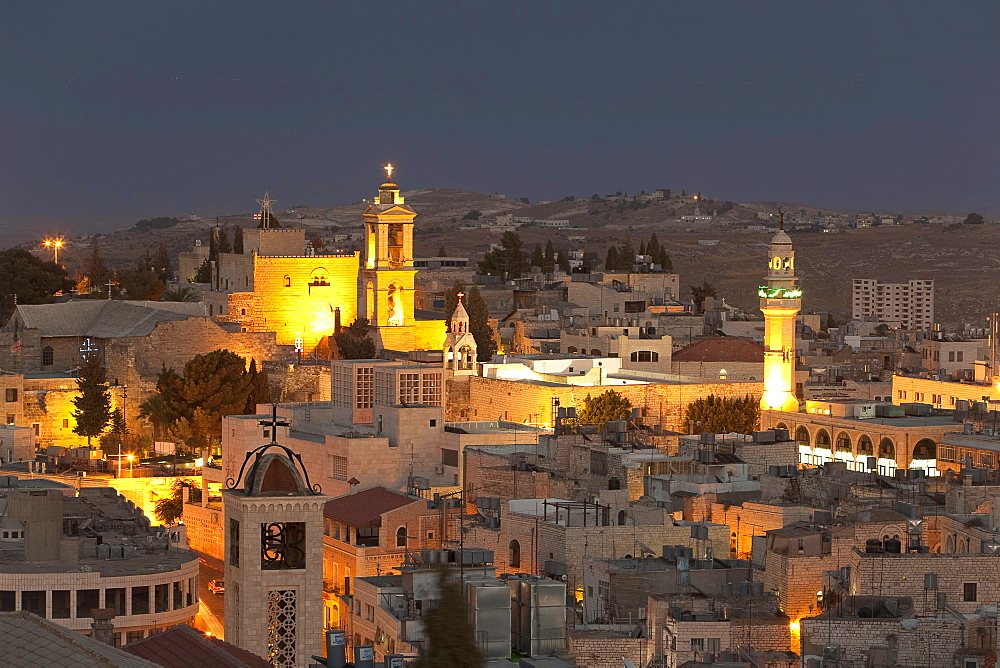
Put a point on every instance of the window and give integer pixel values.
(515, 555)
(161, 597)
(115, 599)
(33, 601)
(959, 356)
(140, 600)
(434, 423)
(65, 423)
(133, 636)
(48, 356)
(449, 457)
(10, 394)
(87, 600)
(60, 604)
(969, 592)
(288, 282)
(645, 356)
(401, 537)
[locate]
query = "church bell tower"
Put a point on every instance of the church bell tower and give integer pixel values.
(460, 345)
(780, 301)
(387, 272)
(274, 557)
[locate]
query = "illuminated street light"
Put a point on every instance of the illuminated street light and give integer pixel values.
(55, 244)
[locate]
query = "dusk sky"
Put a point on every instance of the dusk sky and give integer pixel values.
(113, 112)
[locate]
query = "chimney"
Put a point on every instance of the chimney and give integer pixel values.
(102, 630)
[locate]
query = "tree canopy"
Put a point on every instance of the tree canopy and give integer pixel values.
(609, 405)
(974, 219)
(31, 279)
(354, 342)
(92, 407)
(451, 640)
(508, 260)
(721, 415)
(699, 293)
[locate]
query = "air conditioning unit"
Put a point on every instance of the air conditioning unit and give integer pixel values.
(439, 469)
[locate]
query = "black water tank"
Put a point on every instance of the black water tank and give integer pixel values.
(893, 546)
(873, 545)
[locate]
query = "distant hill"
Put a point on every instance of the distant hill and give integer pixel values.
(959, 258)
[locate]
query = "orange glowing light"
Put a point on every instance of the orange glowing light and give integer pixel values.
(388, 171)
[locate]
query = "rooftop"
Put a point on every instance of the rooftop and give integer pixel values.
(183, 646)
(721, 349)
(105, 319)
(365, 507)
(30, 641)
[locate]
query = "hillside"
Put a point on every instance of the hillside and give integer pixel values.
(961, 260)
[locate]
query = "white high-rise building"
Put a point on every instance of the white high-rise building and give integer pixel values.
(909, 304)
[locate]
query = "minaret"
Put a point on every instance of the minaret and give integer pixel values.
(387, 272)
(274, 556)
(460, 345)
(780, 301)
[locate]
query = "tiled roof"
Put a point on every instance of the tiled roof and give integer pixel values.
(104, 319)
(365, 507)
(29, 641)
(721, 349)
(183, 647)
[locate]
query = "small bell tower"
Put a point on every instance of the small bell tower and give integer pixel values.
(460, 345)
(274, 556)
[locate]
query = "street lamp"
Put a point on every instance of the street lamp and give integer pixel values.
(55, 245)
(130, 457)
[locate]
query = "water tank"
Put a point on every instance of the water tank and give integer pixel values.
(893, 546)
(873, 546)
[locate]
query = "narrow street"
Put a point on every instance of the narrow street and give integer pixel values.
(211, 612)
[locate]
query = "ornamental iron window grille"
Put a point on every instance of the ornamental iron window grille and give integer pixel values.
(282, 545)
(281, 632)
(234, 542)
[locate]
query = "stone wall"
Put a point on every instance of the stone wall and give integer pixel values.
(599, 649)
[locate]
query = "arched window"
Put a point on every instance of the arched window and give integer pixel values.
(802, 436)
(595, 352)
(621, 518)
(780, 425)
(48, 356)
(865, 446)
(823, 439)
(571, 350)
(515, 554)
(925, 449)
(318, 277)
(288, 281)
(614, 483)
(401, 537)
(843, 442)
(723, 374)
(887, 449)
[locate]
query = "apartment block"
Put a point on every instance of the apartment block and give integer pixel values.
(909, 304)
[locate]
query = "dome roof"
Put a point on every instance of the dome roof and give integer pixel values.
(781, 238)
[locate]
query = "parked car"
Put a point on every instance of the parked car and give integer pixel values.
(217, 586)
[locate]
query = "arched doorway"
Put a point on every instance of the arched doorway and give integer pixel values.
(925, 449)
(515, 554)
(823, 439)
(802, 436)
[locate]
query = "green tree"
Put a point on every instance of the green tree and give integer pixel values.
(29, 278)
(699, 293)
(318, 243)
(626, 253)
(508, 261)
(170, 509)
(181, 293)
(96, 270)
(216, 384)
(474, 214)
(141, 283)
(167, 406)
(92, 407)
(612, 261)
(260, 391)
(161, 263)
(222, 242)
(609, 405)
(721, 415)
(538, 258)
(354, 342)
(562, 260)
(238, 240)
(653, 249)
(451, 640)
(549, 261)
(973, 219)
(204, 273)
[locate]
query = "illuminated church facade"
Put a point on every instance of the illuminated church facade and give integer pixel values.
(280, 284)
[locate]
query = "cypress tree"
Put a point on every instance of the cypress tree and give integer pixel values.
(653, 249)
(549, 263)
(665, 259)
(161, 263)
(626, 254)
(238, 240)
(611, 261)
(479, 325)
(537, 258)
(223, 243)
(93, 406)
(96, 270)
(563, 261)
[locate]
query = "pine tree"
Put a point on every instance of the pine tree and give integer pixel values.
(93, 406)
(653, 249)
(354, 341)
(479, 325)
(642, 248)
(96, 270)
(549, 263)
(213, 245)
(508, 261)
(562, 260)
(611, 261)
(223, 243)
(537, 258)
(161, 263)
(238, 240)
(204, 273)
(216, 384)
(626, 253)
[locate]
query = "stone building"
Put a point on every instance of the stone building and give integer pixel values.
(62, 557)
(723, 357)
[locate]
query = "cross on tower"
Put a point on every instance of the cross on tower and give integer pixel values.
(388, 171)
(274, 423)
